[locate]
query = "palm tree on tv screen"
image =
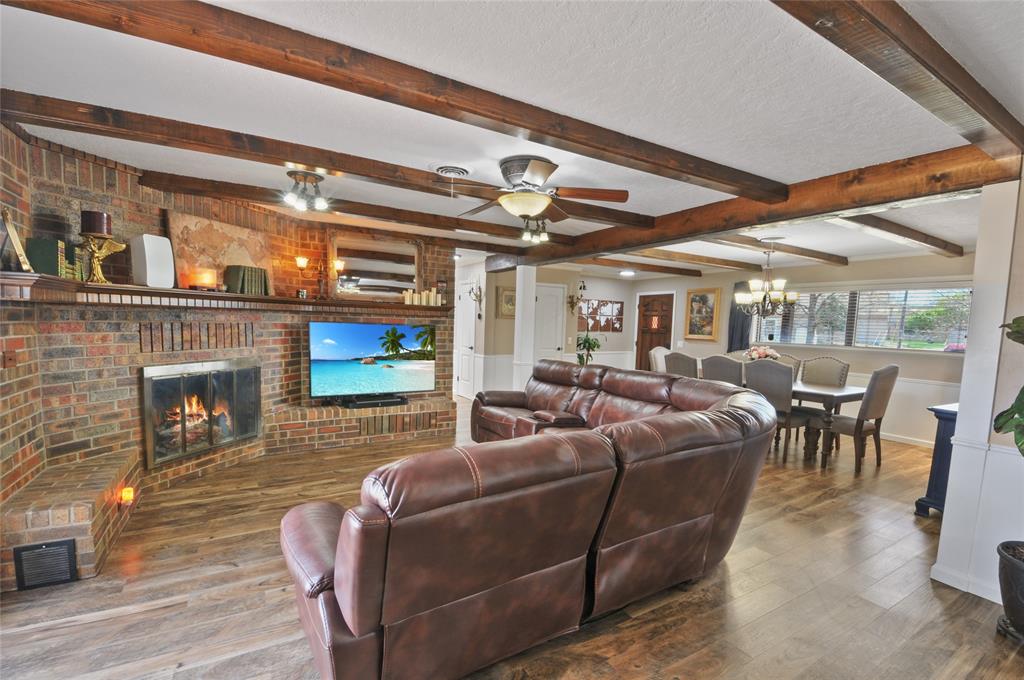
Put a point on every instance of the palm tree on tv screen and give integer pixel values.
(426, 335)
(391, 342)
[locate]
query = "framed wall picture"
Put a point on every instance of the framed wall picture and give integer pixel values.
(702, 314)
(506, 307)
(9, 235)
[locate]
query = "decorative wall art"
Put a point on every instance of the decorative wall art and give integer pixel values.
(702, 314)
(9, 235)
(201, 244)
(600, 316)
(506, 307)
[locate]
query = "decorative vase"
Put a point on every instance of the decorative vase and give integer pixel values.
(1011, 585)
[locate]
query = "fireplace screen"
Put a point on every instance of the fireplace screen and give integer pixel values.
(190, 408)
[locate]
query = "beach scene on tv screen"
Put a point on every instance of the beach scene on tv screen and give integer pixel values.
(350, 358)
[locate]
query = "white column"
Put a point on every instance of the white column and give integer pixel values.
(984, 503)
(523, 346)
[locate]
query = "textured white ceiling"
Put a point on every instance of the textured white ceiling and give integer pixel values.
(741, 83)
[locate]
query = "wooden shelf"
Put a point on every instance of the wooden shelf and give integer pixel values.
(47, 289)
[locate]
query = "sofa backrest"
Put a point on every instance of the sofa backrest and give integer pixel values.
(628, 395)
(582, 401)
(487, 548)
(552, 385)
(684, 482)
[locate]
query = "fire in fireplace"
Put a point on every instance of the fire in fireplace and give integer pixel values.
(190, 408)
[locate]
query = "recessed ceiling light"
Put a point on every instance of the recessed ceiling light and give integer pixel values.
(456, 256)
(627, 273)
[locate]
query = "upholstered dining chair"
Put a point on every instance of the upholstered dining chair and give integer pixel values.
(792, 361)
(657, 358)
(869, 418)
(774, 380)
(721, 367)
(823, 371)
(678, 363)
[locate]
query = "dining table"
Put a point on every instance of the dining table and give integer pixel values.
(829, 396)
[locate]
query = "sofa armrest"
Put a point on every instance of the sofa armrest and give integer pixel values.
(309, 541)
(559, 418)
(502, 398)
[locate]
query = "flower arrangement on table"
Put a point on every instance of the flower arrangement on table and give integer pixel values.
(761, 352)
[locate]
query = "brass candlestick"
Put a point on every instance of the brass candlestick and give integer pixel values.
(100, 247)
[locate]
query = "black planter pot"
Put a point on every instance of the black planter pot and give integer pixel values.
(1011, 584)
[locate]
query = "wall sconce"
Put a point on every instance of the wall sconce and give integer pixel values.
(127, 497)
(574, 299)
(476, 294)
(320, 273)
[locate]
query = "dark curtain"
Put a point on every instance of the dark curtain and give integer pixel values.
(739, 323)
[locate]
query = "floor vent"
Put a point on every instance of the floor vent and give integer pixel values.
(45, 564)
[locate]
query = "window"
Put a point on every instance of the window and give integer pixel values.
(927, 319)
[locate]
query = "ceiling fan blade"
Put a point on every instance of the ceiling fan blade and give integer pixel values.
(609, 195)
(538, 171)
(479, 209)
(553, 213)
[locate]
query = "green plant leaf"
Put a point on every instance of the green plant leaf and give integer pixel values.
(1015, 330)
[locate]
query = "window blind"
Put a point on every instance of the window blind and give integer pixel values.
(933, 319)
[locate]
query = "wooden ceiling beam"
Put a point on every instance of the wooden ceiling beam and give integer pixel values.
(689, 258)
(29, 109)
(248, 40)
(887, 184)
(380, 256)
(751, 243)
(197, 186)
(883, 36)
(885, 228)
(637, 266)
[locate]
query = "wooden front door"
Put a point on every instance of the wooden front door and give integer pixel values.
(654, 329)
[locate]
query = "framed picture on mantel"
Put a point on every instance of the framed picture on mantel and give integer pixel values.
(702, 314)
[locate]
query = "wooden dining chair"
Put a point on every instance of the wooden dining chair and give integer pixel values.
(678, 363)
(774, 380)
(723, 368)
(869, 418)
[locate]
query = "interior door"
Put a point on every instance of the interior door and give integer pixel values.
(654, 326)
(550, 322)
(465, 335)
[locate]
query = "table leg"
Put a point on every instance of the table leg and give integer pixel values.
(826, 434)
(810, 444)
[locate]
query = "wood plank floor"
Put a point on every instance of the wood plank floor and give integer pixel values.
(828, 579)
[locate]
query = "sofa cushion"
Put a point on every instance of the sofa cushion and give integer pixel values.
(629, 395)
(691, 394)
(552, 385)
(559, 418)
(501, 420)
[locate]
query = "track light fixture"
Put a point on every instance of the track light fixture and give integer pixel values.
(305, 191)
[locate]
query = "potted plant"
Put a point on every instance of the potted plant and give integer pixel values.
(1011, 553)
(585, 346)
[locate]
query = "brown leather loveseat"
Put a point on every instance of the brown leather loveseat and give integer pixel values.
(457, 558)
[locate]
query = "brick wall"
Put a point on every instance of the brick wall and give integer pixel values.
(75, 390)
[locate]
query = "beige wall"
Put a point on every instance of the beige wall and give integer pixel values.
(499, 334)
(913, 364)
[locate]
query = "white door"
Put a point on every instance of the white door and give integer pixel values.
(465, 333)
(549, 329)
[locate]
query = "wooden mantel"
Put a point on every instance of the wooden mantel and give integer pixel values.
(44, 288)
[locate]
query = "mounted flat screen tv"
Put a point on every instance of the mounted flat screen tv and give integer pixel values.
(347, 359)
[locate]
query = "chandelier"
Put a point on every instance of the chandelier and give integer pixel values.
(305, 191)
(535, 229)
(768, 296)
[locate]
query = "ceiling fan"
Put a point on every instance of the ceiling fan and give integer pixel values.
(525, 196)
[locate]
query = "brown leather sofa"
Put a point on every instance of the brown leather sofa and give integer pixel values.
(455, 559)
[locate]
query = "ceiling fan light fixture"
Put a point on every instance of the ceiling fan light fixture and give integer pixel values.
(524, 203)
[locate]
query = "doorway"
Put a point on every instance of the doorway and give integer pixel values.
(549, 329)
(465, 338)
(653, 326)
